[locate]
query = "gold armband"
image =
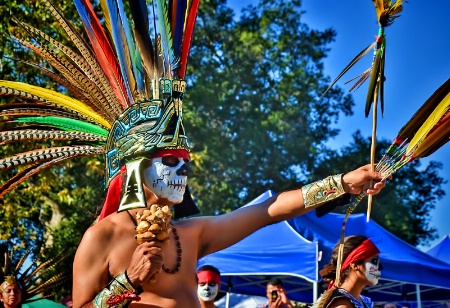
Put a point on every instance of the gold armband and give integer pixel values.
(323, 191)
(117, 293)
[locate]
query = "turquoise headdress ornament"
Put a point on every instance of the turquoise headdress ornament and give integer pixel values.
(126, 92)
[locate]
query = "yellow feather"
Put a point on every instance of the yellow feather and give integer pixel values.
(429, 123)
(58, 98)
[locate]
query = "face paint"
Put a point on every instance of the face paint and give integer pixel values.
(207, 291)
(167, 178)
(372, 270)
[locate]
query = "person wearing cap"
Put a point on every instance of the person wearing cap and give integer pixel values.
(208, 281)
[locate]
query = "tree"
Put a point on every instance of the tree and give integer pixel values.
(253, 116)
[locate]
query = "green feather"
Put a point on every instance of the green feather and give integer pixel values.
(66, 124)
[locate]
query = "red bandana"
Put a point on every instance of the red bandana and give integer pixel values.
(364, 251)
(208, 276)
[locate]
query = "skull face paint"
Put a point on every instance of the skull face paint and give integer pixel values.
(167, 178)
(373, 272)
(207, 291)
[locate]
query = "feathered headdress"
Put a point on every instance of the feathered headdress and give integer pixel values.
(29, 279)
(127, 91)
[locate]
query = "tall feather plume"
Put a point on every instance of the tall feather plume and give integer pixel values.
(103, 50)
(139, 13)
(165, 31)
(122, 40)
(94, 71)
(187, 37)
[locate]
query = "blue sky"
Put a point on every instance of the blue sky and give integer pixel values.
(417, 63)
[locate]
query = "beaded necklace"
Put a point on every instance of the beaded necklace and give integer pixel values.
(178, 244)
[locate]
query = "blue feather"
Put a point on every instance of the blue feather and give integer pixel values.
(179, 26)
(118, 35)
(136, 59)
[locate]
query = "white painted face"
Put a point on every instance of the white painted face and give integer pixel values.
(167, 178)
(207, 291)
(372, 270)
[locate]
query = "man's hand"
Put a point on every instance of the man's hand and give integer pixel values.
(147, 260)
(359, 180)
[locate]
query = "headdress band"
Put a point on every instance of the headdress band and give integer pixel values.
(208, 276)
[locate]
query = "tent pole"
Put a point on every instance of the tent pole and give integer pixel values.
(419, 302)
(227, 302)
(316, 284)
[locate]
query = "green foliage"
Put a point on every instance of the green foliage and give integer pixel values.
(253, 115)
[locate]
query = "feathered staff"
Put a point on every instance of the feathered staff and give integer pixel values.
(386, 12)
(423, 134)
(104, 77)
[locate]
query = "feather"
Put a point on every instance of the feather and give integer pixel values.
(409, 129)
(435, 139)
(166, 37)
(103, 50)
(178, 20)
(125, 48)
(373, 83)
(42, 155)
(66, 124)
(72, 74)
(44, 163)
(139, 13)
(22, 259)
(358, 57)
(36, 134)
(187, 37)
(55, 97)
(441, 109)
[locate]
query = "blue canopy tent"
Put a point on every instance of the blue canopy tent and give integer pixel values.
(441, 250)
(408, 275)
(273, 251)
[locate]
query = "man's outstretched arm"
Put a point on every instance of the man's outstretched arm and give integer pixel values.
(222, 231)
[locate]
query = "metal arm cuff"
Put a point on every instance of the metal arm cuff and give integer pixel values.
(322, 191)
(119, 286)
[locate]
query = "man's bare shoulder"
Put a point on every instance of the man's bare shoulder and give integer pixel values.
(104, 230)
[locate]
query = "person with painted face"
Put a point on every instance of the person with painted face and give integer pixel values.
(361, 267)
(208, 280)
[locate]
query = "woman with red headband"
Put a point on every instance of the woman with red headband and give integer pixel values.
(360, 268)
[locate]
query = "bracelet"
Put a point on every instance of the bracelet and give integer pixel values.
(323, 191)
(117, 293)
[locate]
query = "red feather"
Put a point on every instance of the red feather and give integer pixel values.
(188, 32)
